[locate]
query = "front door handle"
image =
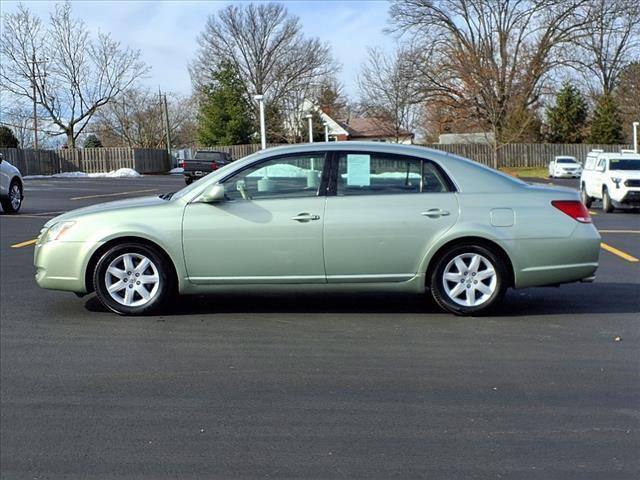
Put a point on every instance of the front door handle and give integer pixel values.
(435, 213)
(305, 217)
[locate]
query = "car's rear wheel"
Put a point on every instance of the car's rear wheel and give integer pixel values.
(132, 279)
(468, 279)
(607, 204)
(586, 199)
(13, 202)
(188, 180)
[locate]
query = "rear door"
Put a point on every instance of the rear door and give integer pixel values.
(382, 214)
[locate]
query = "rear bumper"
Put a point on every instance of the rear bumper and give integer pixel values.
(552, 261)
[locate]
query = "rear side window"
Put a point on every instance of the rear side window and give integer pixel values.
(383, 174)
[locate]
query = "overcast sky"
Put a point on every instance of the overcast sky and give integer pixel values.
(165, 32)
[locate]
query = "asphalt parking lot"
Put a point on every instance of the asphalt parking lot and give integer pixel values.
(325, 386)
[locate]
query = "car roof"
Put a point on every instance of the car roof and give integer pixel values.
(625, 155)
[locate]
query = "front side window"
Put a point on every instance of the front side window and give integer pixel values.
(283, 177)
(381, 174)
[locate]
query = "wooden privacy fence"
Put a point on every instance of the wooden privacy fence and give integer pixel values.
(510, 155)
(95, 160)
(236, 151)
(524, 154)
(89, 160)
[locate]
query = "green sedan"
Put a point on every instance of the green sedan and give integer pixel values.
(344, 216)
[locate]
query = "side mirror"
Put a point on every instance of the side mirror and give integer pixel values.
(214, 194)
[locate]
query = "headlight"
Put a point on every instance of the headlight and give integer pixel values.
(57, 231)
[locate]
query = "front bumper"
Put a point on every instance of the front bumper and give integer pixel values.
(61, 265)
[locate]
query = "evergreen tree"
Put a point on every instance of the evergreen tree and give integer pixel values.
(7, 138)
(606, 127)
(92, 142)
(225, 115)
(567, 118)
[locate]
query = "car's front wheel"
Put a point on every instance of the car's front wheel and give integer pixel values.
(586, 199)
(13, 202)
(468, 279)
(132, 279)
(607, 204)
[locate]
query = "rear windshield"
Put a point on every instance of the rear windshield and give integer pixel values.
(211, 156)
(624, 164)
(566, 160)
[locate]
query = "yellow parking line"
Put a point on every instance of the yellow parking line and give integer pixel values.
(620, 253)
(24, 244)
(114, 194)
(619, 231)
(592, 213)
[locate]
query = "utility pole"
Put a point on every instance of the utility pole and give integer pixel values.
(165, 111)
(34, 63)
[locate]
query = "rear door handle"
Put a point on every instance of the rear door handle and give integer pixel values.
(305, 217)
(435, 213)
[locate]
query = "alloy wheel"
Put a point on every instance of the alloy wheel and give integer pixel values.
(132, 280)
(15, 196)
(469, 279)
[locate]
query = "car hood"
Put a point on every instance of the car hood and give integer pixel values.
(107, 207)
(635, 174)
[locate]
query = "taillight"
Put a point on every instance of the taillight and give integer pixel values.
(214, 166)
(182, 164)
(574, 208)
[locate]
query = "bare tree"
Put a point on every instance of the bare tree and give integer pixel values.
(135, 119)
(488, 56)
(388, 89)
(19, 119)
(611, 40)
(68, 74)
(266, 44)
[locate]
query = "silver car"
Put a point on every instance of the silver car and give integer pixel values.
(11, 187)
(343, 216)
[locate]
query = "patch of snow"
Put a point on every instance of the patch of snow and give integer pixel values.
(120, 173)
(282, 170)
(176, 171)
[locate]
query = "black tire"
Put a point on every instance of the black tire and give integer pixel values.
(13, 201)
(447, 302)
(159, 297)
(188, 180)
(607, 204)
(586, 199)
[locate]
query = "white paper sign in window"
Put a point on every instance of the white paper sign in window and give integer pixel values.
(358, 170)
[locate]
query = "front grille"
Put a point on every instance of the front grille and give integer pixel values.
(632, 182)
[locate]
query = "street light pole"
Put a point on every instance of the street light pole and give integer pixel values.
(263, 135)
(309, 117)
(635, 136)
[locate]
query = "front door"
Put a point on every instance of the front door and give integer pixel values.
(386, 211)
(268, 230)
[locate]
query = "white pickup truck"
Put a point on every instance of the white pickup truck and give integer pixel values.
(613, 178)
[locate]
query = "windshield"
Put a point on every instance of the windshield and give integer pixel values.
(198, 183)
(624, 164)
(566, 160)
